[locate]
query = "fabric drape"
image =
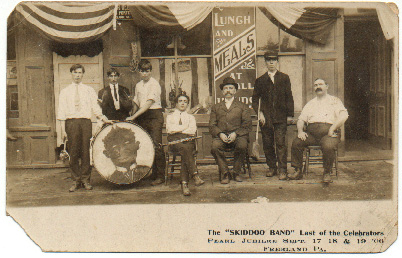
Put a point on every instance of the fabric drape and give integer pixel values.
(68, 24)
(304, 22)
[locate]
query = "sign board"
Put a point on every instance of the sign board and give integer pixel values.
(123, 13)
(234, 49)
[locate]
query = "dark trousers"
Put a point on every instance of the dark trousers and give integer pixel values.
(186, 150)
(240, 149)
(317, 135)
(152, 122)
(274, 145)
(79, 133)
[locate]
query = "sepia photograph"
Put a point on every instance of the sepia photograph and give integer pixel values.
(202, 127)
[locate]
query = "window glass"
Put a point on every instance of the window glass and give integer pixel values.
(197, 41)
(267, 33)
(289, 43)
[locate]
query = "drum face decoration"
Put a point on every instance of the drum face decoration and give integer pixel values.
(123, 153)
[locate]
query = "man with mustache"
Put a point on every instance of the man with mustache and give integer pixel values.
(323, 115)
(274, 91)
(229, 125)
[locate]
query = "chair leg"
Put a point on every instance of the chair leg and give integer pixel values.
(248, 166)
(307, 160)
(336, 163)
(167, 168)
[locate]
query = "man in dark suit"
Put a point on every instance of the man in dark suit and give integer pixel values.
(274, 90)
(115, 100)
(229, 125)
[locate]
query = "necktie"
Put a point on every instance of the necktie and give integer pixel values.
(180, 122)
(115, 92)
(77, 101)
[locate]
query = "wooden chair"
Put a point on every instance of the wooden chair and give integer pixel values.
(316, 158)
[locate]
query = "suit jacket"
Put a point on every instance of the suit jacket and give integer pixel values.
(235, 119)
(276, 98)
(107, 105)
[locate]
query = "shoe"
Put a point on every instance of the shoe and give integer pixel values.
(283, 176)
(87, 186)
(225, 179)
(326, 178)
(75, 187)
(237, 178)
(184, 189)
(197, 180)
(157, 181)
(271, 172)
(296, 175)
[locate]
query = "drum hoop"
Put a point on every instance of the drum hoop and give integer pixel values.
(107, 125)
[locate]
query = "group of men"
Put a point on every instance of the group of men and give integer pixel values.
(230, 123)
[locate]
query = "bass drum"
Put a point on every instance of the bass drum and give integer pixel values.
(123, 153)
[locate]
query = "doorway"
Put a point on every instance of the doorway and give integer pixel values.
(367, 85)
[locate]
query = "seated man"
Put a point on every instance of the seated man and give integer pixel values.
(180, 125)
(323, 115)
(229, 125)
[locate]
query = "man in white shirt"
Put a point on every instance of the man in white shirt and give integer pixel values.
(323, 115)
(77, 103)
(229, 125)
(181, 125)
(147, 112)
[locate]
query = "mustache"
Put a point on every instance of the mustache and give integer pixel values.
(318, 89)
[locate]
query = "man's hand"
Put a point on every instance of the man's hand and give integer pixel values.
(262, 119)
(331, 132)
(232, 137)
(302, 136)
(223, 137)
(131, 118)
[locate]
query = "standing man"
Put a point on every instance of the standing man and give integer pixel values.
(77, 103)
(274, 90)
(323, 115)
(229, 125)
(148, 114)
(115, 100)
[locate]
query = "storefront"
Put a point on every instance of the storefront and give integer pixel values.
(181, 48)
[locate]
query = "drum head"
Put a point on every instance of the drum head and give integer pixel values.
(123, 153)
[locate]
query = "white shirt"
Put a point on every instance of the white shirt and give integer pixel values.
(325, 110)
(228, 102)
(272, 75)
(116, 99)
(88, 102)
(150, 90)
(188, 126)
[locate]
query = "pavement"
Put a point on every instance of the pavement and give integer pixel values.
(358, 180)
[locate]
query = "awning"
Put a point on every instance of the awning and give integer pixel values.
(67, 23)
(170, 17)
(303, 22)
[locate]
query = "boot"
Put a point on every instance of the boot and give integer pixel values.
(237, 178)
(75, 186)
(271, 172)
(197, 180)
(225, 179)
(296, 175)
(326, 178)
(184, 188)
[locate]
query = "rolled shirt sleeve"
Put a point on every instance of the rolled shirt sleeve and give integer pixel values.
(61, 114)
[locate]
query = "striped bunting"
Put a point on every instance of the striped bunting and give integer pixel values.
(301, 21)
(66, 23)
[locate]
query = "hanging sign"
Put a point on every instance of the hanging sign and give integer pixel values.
(234, 49)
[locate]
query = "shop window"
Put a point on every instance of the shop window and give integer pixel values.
(12, 90)
(270, 37)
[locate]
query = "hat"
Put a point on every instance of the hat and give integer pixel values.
(271, 54)
(227, 81)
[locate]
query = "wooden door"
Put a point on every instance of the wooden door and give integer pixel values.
(380, 94)
(327, 62)
(34, 124)
(93, 77)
